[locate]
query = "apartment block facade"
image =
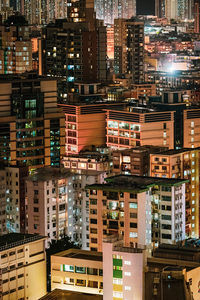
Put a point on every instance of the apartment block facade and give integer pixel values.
(183, 163)
(31, 125)
(120, 265)
(15, 46)
(133, 161)
(85, 125)
(128, 129)
(77, 270)
(129, 48)
(23, 267)
(145, 211)
(56, 204)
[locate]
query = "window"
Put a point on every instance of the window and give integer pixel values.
(133, 205)
(127, 288)
(68, 268)
(127, 273)
(133, 225)
(133, 196)
(93, 221)
(127, 262)
(133, 215)
(133, 234)
(81, 270)
(166, 217)
(117, 281)
(36, 209)
(166, 236)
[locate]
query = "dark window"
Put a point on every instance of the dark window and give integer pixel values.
(133, 225)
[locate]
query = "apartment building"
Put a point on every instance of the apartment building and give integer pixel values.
(129, 48)
(77, 270)
(10, 200)
(85, 125)
(56, 203)
(132, 127)
(47, 202)
(16, 47)
(123, 270)
(143, 210)
(133, 161)
(31, 126)
(183, 163)
(191, 126)
(23, 266)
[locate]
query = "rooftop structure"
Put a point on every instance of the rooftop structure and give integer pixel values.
(12, 240)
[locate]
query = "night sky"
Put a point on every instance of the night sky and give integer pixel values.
(145, 7)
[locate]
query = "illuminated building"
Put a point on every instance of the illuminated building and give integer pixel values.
(133, 161)
(23, 266)
(77, 270)
(143, 90)
(183, 163)
(32, 127)
(47, 203)
(191, 122)
(16, 47)
(109, 10)
(110, 41)
(129, 48)
(197, 16)
(75, 51)
(32, 133)
(140, 209)
(56, 203)
(120, 265)
(127, 129)
(9, 200)
(85, 122)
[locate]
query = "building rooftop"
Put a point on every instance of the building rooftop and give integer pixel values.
(89, 155)
(81, 254)
(132, 183)
(28, 76)
(177, 151)
(13, 240)
(68, 295)
(48, 173)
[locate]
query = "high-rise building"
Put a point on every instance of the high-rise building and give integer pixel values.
(9, 200)
(56, 202)
(16, 47)
(183, 163)
(129, 48)
(32, 133)
(32, 127)
(196, 16)
(175, 9)
(140, 209)
(75, 50)
(109, 10)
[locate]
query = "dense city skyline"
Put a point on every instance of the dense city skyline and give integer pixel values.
(99, 150)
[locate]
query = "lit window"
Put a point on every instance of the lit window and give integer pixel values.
(117, 281)
(118, 295)
(127, 273)
(133, 234)
(127, 262)
(127, 288)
